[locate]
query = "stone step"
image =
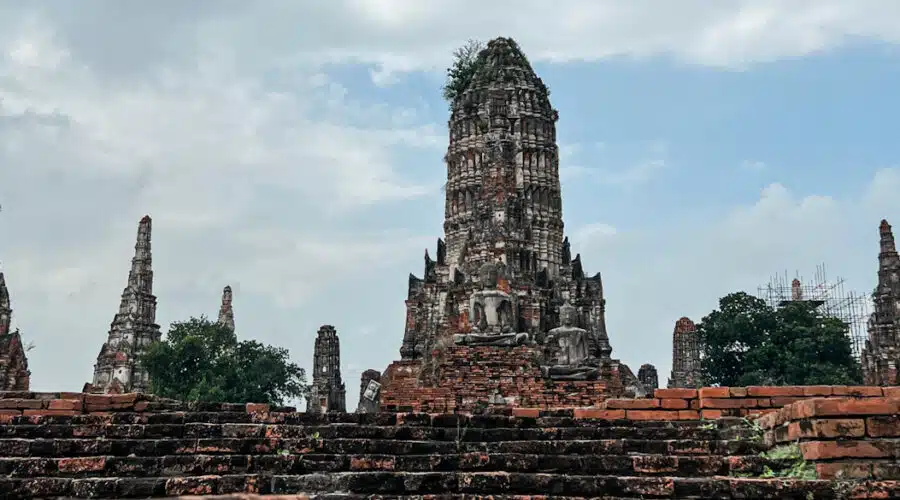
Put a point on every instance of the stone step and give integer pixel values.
(80, 447)
(64, 417)
(362, 484)
(193, 465)
(237, 430)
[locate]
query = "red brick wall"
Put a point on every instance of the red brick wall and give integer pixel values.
(467, 376)
(846, 438)
(717, 402)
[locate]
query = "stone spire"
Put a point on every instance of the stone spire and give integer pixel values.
(503, 209)
(881, 357)
(685, 356)
(14, 374)
(226, 312)
(5, 307)
(133, 327)
(503, 192)
(328, 392)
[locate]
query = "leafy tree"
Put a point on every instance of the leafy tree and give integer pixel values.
(465, 64)
(747, 342)
(203, 361)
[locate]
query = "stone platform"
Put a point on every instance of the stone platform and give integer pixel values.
(462, 378)
(132, 446)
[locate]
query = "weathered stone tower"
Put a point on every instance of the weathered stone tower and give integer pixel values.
(685, 356)
(328, 392)
(881, 356)
(226, 311)
(648, 376)
(503, 204)
(133, 328)
(497, 285)
(14, 374)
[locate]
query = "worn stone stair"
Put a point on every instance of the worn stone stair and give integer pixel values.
(146, 454)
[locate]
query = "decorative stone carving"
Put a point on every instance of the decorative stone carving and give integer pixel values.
(14, 374)
(493, 313)
(133, 328)
(327, 393)
(881, 356)
(226, 311)
(568, 351)
(369, 392)
(685, 356)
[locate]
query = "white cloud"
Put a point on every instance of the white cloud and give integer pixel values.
(652, 278)
(224, 121)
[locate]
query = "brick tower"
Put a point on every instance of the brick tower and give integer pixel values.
(504, 240)
(685, 356)
(881, 356)
(328, 391)
(133, 328)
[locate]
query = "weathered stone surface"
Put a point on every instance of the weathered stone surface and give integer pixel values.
(134, 327)
(881, 356)
(369, 392)
(221, 449)
(498, 281)
(14, 373)
(685, 356)
(327, 392)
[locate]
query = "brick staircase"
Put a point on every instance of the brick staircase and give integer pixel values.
(130, 446)
(127, 454)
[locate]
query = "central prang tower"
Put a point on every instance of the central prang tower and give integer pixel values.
(504, 284)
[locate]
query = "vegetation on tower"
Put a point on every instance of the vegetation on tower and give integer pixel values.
(500, 60)
(465, 63)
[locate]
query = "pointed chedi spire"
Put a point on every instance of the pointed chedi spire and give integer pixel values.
(5, 307)
(887, 238)
(14, 373)
(133, 328)
(226, 311)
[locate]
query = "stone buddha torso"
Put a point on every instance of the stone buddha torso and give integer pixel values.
(493, 313)
(567, 351)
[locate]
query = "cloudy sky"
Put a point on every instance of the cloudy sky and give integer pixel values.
(293, 150)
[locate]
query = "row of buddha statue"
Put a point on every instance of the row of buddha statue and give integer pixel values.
(565, 349)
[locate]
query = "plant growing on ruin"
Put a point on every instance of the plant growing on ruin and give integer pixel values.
(204, 361)
(747, 342)
(460, 73)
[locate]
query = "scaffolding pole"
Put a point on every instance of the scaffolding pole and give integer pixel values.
(831, 297)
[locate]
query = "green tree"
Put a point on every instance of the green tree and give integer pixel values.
(465, 64)
(747, 342)
(203, 361)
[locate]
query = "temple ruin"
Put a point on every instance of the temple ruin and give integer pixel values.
(134, 327)
(226, 311)
(882, 352)
(14, 374)
(369, 391)
(327, 392)
(685, 356)
(503, 314)
(648, 376)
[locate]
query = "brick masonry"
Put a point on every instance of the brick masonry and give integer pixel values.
(136, 445)
(846, 438)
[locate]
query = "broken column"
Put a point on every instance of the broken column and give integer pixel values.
(369, 391)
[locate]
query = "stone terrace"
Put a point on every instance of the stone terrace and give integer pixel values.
(132, 446)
